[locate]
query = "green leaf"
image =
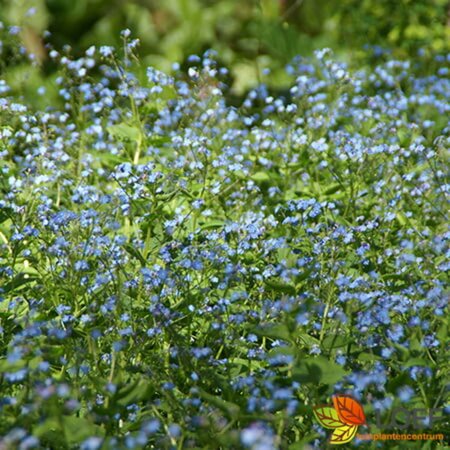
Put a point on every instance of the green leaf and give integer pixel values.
(318, 370)
(261, 177)
(108, 157)
(50, 432)
(279, 286)
(279, 331)
(66, 430)
(4, 215)
(158, 140)
(17, 282)
(415, 362)
(332, 189)
(307, 271)
(230, 409)
(77, 429)
(331, 342)
(395, 382)
(134, 392)
(401, 218)
(366, 356)
(288, 350)
(442, 333)
(6, 366)
(308, 340)
(125, 132)
(136, 253)
(303, 443)
(213, 223)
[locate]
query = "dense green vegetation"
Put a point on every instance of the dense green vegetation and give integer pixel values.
(197, 257)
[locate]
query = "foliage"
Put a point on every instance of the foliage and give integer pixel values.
(176, 272)
(404, 25)
(270, 32)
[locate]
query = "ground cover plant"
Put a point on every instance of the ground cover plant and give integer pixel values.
(176, 272)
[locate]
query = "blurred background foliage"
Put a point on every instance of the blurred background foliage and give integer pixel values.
(248, 35)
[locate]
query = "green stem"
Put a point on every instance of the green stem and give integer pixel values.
(324, 321)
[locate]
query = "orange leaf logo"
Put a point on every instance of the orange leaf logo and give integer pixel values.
(349, 410)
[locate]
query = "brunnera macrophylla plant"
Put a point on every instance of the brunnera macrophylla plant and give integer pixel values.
(176, 272)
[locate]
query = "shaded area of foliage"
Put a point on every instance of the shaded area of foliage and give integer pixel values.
(170, 30)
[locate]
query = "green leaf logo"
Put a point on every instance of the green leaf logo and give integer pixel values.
(328, 417)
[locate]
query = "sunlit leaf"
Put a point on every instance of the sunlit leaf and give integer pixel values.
(124, 132)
